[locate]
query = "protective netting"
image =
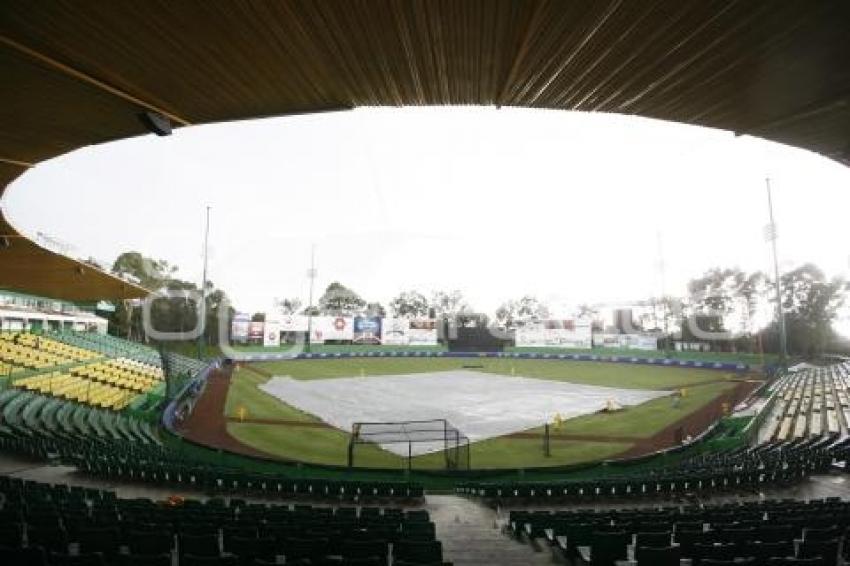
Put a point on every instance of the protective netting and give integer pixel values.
(411, 439)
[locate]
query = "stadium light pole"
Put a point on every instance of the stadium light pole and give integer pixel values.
(770, 235)
(661, 272)
(311, 275)
(202, 335)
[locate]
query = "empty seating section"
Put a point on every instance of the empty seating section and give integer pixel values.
(812, 402)
(111, 384)
(760, 533)
(43, 524)
(76, 367)
(816, 399)
(43, 425)
(123, 372)
(21, 352)
(110, 346)
(741, 469)
(115, 445)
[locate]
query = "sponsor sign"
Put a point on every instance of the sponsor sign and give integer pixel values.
(271, 334)
(395, 331)
(328, 328)
(556, 334)
(255, 331)
(239, 327)
(293, 323)
(422, 333)
(367, 330)
(626, 341)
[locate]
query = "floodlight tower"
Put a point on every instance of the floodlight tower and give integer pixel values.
(661, 271)
(311, 275)
(202, 335)
(770, 235)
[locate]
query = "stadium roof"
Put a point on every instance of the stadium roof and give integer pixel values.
(76, 73)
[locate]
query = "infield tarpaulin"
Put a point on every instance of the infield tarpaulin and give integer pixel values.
(481, 405)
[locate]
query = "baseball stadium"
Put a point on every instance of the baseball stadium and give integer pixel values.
(149, 420)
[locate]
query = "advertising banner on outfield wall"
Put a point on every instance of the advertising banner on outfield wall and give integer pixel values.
(422, 333)
(271, 334)
(255, 331)
(626, 341)
(394, 332)
(367, 330)
(332, 328)
(239, 327)
(293, 323)
(556, 334)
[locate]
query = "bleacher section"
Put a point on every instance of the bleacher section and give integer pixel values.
(114, 445)
(744, 469)
(110, 346)
(813, 402)
(22, 352)
(111, 384)
(113, 347)
(52, 426)
(42, 524)
(774, 532)
(89, 368)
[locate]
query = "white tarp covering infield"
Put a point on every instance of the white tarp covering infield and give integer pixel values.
(481, 405)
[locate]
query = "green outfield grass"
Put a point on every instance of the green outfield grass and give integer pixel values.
(645, 420)
(329, 446)
(727, 357)
(754, 359)
(630, 376)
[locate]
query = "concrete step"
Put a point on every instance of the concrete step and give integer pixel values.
(472, 535)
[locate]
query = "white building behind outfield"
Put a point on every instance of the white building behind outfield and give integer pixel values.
(19, 312)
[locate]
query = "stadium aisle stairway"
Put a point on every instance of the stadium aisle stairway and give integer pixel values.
(471, 536)
(55, 525)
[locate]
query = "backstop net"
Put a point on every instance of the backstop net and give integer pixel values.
(434, 443)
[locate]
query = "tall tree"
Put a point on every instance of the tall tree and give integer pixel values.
(715, 293)
(506, 314)
(811, 303)
(375, 309)
(151, 273)
(410, 304)
(752, 291)
(339, 300)
(216, 300)
(289, 305)
(513, 313)
(176, 314)
(448, 304)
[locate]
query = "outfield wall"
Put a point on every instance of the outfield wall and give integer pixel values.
(619, 359)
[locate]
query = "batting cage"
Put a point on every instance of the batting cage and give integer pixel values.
(410, 439)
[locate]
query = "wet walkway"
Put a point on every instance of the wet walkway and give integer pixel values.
(472, 535)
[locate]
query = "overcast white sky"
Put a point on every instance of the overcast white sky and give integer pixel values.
(496, 203)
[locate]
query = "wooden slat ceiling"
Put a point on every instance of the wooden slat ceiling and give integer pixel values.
(76, 73)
